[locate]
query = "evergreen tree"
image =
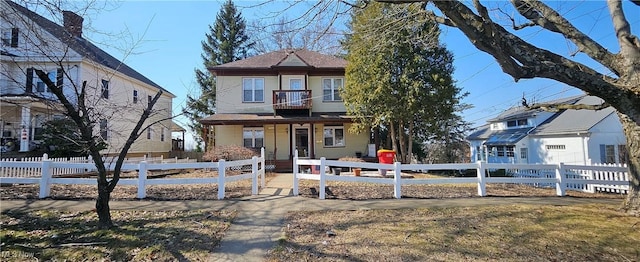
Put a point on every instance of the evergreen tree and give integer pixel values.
(226, 42)
(395, 82)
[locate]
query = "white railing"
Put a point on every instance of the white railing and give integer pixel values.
(562, 177)
(41, 172)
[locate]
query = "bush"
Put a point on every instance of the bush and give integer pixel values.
(230, 152)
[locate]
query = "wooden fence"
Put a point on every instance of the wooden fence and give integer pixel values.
(41, 172)
(562, 177)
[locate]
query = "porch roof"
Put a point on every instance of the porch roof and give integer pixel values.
(507, 137)
(244, 119)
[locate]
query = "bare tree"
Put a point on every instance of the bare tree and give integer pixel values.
(53, 69)
(524, 60)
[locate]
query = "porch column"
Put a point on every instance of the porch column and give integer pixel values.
(25, 125)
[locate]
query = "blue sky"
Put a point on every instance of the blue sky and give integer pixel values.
(172, 31)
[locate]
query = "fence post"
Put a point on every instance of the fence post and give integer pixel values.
(254, 171)
(45, 180)
(397, 180)
(142, 180)
(482, 189)
(322, 178)
(221, 171)
(295, 173)
(560, 180)
(264, 168)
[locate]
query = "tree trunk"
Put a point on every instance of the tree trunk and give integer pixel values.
(102, 205)
(632, 132)
(392, 131)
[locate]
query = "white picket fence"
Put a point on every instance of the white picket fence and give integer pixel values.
(41, 172)
(562, 177)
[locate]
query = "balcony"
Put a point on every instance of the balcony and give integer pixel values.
(291, 99)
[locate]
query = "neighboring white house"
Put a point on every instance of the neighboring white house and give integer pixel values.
(519, 135)
(116, 93)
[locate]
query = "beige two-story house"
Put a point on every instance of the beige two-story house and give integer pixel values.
(116, 94)
(284, 101)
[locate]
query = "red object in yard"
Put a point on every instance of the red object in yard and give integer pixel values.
(386, 156)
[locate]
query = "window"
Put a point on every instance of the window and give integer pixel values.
(517, 123)
(41, 87)
(105, 89)
(162, 134)
(608, 154)
(500, 150)
(623, 155)
(253, 90)
(524, 153)
(331, 89)
(480, 153)
(104, 131)
(333, 136)
(556, 147)
(510, 152)
(135, 96)
(253, 136)
(10, 37)
(149, 131)
(149, 98)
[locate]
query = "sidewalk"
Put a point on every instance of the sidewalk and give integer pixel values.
(259, 222)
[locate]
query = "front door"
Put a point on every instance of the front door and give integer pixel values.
(301, 141)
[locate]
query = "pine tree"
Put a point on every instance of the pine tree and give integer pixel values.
(226, 42)
(395, 82)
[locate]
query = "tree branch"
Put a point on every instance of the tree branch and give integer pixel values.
(558, 107)
(549, 19)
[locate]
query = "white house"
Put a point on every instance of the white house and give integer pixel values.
(116, 93)
(519, 135)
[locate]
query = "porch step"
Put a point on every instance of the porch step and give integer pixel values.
(273, 191)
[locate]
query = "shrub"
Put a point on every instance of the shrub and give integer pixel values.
(229, 152)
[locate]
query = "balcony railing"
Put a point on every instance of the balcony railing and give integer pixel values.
(292, 99)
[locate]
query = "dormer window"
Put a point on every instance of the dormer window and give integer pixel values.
(517, 123)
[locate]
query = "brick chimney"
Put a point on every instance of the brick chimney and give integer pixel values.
(72, 23)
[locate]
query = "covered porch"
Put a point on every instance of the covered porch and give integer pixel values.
(315, 136)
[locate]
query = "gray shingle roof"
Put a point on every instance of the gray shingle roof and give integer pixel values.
(85, 48)
(286, 58)
(573, 121)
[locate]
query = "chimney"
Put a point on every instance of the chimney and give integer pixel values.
(72, 23)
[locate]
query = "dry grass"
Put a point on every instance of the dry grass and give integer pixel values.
(488, 233)
(140, 236)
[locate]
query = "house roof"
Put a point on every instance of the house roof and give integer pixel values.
(238, 119)
(84, 47)
(285, 59)
(519, 112)
(574, 121)
(507, 137)
(481, 133)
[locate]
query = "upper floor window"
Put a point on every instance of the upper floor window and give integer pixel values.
(333, 136)
(105, 89)
(104, 131)
(253, 136)
(253, 90)
(149, 133)
(135, 96)
(162, 134)
(331, 89)
(517, 122)
(10, 37)
(41, 87)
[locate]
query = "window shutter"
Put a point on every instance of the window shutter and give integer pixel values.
(14, 37)
(29, 85)
(59, 78)
(603, 157)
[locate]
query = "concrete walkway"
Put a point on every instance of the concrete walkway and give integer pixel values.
(259, 222)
